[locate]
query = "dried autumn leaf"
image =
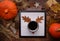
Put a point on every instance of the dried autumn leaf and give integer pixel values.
(9, 33)
(38, 20)
(26, 19)
(55, 7)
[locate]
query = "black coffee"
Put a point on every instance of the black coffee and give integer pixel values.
(32, 25)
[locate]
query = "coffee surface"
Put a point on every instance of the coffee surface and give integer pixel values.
(32, 25)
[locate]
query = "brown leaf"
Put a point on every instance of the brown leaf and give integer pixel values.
(38, 20)
(26, 19)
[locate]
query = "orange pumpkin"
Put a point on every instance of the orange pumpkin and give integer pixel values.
(8, 9)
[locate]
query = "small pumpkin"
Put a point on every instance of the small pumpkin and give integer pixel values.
(54, 30)
(8, 9)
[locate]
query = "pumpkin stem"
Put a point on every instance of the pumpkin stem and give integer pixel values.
(6, 10)
(58, 30)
